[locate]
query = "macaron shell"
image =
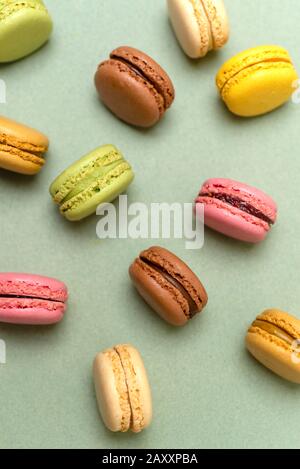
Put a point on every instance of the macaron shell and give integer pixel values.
(130, 97)
(23, 31)
(17, 163)
(248, 58)
(111, 391)
(165, 301)
(192, 30)
(29, 311)
(138, 387)
(260, 89)
(38, 286)
(232, 222)
(23, 134)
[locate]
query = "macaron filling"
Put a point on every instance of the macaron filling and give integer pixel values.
(193, 308)
(240, 204)
(274, 330)
(139, 72)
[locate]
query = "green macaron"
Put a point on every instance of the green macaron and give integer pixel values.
(24, 27)
(97, 178)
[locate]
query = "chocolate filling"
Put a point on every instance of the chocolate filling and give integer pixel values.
(274, 330)
(30, 298)
(193, 308)
(240, 204)
(140, 73)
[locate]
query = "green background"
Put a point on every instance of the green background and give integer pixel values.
(207, 390)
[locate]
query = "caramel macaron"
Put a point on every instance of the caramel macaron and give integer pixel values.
(274, 340)
(168, 285)
(22, 148)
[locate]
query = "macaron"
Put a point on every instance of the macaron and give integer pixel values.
(97, 178)
(122, 389)
(257, 80)
(31, 299)
(236, 209)
(199, 25)
(274, 340)
(24, 27)
(134, 87)
(22, 149)
(168, 285)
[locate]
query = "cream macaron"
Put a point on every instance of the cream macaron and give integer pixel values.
(274, 340)
(122, 389)
(199, 25)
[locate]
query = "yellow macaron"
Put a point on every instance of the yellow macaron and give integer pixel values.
(257, 80)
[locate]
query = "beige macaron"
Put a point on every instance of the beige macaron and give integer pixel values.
(274, 340)
(199, 25)
(122, 389)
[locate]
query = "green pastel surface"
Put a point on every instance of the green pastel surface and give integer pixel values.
(208, 392)
(99, 177)
(24, 28)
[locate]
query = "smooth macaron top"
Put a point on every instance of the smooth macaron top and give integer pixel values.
(24, 27)
(122, 389)
(34, 286)
(200, 25)
(22, 137)
(168, 285)
(134, 87)
(216, 187)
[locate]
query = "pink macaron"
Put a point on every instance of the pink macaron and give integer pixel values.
(237, 210)
(31, 299)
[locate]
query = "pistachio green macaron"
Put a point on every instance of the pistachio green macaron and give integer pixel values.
(24, 27)
(97, 178)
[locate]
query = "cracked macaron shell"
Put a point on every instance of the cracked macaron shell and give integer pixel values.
(134, 87)
(31, 299)
(21, 148)
(230, 220)
(199, 25)
(271, 350)
(162, 295)
(257, 81)
(122, 389)
(24, 27)
(99, 177)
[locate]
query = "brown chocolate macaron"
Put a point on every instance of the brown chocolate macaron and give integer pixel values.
(168, 285)
(134, 87)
